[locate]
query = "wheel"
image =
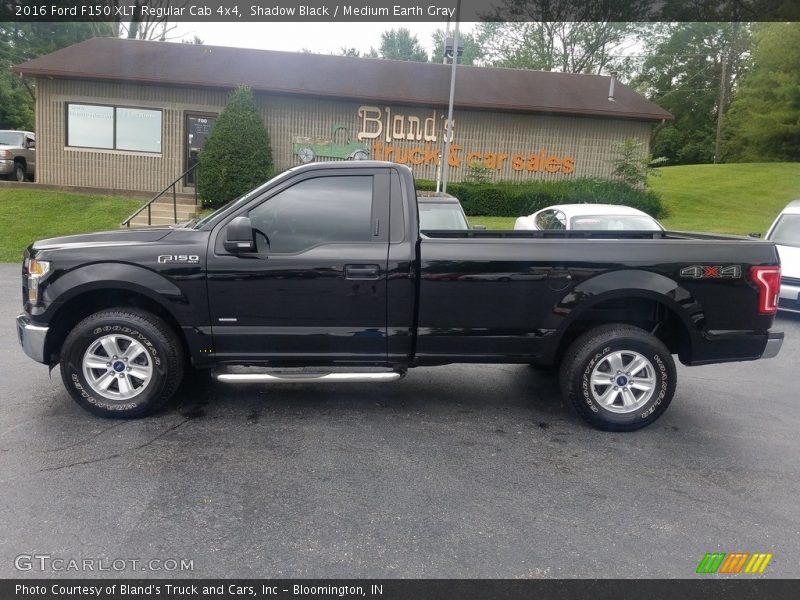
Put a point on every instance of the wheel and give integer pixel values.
(19, 172)
(618, 377)
(360, 155)
(305, 154)
(122, 363)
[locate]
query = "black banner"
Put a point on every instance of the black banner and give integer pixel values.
(399, 10)
(393, 589)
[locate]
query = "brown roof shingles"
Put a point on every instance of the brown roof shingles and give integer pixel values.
(362, 79)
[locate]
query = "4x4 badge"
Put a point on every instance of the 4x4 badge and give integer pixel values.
(712, 272)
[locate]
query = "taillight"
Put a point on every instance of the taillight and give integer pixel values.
(768, 280)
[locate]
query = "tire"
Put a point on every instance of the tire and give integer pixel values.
(19, 172)
(121, 388)
(629, 354)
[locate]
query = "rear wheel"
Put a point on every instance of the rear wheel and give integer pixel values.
(618, 377)
(122, 363)
(19, 172)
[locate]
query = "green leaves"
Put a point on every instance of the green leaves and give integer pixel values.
(763, 123)
(399, 44)
(506, 199)
(237, 155)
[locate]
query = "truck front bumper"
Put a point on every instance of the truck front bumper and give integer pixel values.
(31, 338)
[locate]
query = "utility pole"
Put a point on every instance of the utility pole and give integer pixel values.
(720, 107)
(449, 131)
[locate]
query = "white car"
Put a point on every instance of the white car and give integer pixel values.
(605, 217)
(785, 232)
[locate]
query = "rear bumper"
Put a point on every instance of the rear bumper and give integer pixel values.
(6, 167)
(733, 346)
(789, 298)
(31, 338)
(774, 343)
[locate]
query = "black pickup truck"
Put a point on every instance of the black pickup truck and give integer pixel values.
(322, 274)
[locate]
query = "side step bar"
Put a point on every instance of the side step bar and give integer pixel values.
(308, 378)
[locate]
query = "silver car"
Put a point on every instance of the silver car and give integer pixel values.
(785, 233)
(17, 154)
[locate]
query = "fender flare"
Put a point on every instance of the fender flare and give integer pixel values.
(118, 276)
(631, 283)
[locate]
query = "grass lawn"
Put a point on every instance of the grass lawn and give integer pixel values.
(30, 215)
(738, 198)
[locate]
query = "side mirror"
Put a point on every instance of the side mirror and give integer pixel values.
(31, 144)
(479, 227)
(754, 235)
(239, 236)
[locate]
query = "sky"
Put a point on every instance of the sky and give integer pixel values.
(323, 38)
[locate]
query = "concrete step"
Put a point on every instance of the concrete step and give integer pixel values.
(163, 212)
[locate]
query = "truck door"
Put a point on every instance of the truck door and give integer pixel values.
(314, 291)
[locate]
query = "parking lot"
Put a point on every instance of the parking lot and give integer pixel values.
(459, 471)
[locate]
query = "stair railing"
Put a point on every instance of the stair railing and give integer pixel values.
(149, 205)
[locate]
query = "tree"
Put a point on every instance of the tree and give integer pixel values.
(237, 155)
(345, 51)
(20, 42)
(154, 25)
(632, 165)
(399, 44)
(588, 47)
(763, 123)
(195, 41)
(473, 52)
(683, 73)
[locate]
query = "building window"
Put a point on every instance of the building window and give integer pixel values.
(113, 128)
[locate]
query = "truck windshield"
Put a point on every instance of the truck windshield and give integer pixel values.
(615, 223)
(441, 215)
(10, 138)
(786, 231)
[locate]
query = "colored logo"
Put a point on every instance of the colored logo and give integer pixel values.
(733, 563)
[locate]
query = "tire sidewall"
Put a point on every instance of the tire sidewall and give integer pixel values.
(72, 369)
(17, 169)
(665, 374)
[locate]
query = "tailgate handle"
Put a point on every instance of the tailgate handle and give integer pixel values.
(361, 271)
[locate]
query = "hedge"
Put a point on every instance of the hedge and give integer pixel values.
(509, 199)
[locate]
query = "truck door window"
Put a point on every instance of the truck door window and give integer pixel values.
(315, 211)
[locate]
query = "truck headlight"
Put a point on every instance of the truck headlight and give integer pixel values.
(36, 270)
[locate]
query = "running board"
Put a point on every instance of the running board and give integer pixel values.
(308, 378)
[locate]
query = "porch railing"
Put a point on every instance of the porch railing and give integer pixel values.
(149, 205)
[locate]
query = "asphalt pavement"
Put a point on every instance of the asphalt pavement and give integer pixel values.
(458, 471)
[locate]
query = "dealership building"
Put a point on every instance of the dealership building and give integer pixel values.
(133, 115)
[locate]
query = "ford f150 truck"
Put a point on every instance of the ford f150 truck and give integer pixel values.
(324, 268)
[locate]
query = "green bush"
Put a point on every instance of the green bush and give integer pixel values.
(511, 199)
(237, 155)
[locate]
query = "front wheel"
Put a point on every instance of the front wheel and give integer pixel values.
(618, 377)
(121, 363)
(19, 172)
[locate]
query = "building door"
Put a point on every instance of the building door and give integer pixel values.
(198, 128)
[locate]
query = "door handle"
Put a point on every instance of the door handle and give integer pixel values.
(362, 271)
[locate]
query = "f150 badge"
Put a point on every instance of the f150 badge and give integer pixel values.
(711, 272)
(184, 259)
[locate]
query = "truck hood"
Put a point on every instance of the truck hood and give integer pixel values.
(122, 237)
(790, 260)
